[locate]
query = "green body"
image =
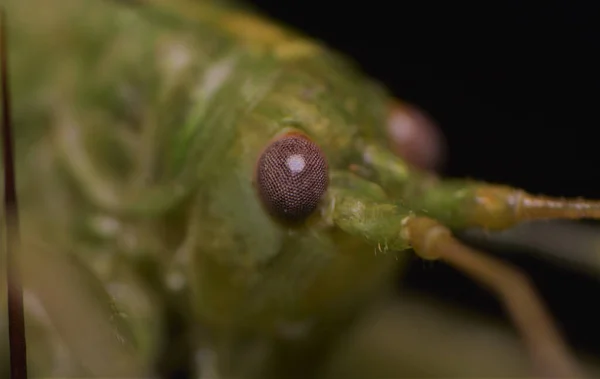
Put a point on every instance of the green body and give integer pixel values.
(138, 129)
(145, 244)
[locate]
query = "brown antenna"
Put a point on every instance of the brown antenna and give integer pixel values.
(16, 321)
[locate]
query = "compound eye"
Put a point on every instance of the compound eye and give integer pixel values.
(292, 176)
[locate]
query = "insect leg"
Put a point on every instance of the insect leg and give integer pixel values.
(358, 214)
(431, 240)
(103, 192)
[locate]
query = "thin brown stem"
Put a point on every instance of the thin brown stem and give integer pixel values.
(16, 321)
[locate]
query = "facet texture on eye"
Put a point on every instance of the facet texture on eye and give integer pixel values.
(292, 176)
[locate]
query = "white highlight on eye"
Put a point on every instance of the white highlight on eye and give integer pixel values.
(296, 163)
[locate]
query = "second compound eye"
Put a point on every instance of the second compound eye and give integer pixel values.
(292, 176)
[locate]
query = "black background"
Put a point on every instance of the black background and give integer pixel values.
(514, 85)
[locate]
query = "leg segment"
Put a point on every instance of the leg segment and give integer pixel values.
(103, 192)
(431, 240)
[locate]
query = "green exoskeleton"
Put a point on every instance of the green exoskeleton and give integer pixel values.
(202, 189)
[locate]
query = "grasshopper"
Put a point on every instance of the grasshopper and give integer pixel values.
(203, 189)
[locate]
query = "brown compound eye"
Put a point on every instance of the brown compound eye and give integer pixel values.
(292, 176)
